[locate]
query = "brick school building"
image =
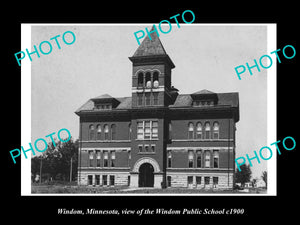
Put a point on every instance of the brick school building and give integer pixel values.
(157, 137)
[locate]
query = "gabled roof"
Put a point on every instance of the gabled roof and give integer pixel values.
(150, 47)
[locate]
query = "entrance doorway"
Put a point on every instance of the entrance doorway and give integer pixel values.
(146, 175)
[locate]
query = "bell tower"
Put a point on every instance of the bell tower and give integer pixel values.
(151, 74)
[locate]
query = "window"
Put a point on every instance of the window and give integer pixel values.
(170, 131)
(113, 132)
(199, 131)
(148, 98)
(105, 159)
(198, 181)
(169, 164)
(90, 179)
(140, 79)
(113, 159)
(146, 148)
(152, 148)
(112, 180)
(215, 181)
(206, 180)
(154, 129)
(169, 181)
(105, 132)
(91, 132)
(191, 131)
(155, 80)
(129, 131)
(104, 180)
(190, 180)
(155, 98)
(98, 132)
(129, 158)
(91, 157)
(140, 130)
(191, 159)
(216, 158)
(216, 130)
(148, 80)
(140, 148)
(140, 98)
(207, 159)
(147, 130)
(198, 159)
(128, 181)
(207, 130)
(98, 158)
(97, 179)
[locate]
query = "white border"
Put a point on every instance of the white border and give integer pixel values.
(26, 110)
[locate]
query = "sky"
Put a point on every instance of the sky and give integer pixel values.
(97, 63)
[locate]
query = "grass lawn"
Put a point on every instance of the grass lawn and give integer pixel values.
(65, 188)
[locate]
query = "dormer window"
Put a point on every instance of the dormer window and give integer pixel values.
(103, 106)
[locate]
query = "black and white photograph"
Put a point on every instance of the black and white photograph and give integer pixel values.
(147, 112)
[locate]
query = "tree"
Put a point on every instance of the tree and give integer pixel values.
(264, 176)
(57, 161)
(244, 175)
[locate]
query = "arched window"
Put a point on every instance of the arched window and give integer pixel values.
(155, 80)
(199, 159)
(170, 131)
(216, 130)
(113, 132)
(98, 132)
(207, 130)
(199, 131)
(191, 131)
(105, 127)
(148, 80)
(140, 79)
(129, 131)
(91, 132)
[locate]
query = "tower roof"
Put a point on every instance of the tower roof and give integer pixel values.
(150, 47)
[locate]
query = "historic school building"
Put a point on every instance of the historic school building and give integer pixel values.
(158, 137)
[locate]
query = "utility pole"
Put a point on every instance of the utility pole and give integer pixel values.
(71, 170)
(41, 164)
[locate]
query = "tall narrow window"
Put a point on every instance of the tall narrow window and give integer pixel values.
(191, 159)
(105, 132)
(215, 181)
(207, 130)
(112, 159)
(216, 158)
(98, 158)
(148, 98)
(199, 159)
(155, 98)
(206, 180)
(129, 131)
(216, 130)
(148, 80)
(154, 130)
(169, 159)
(155, 80)
(140, 79)
(98, 132)
(91, 132)
(105, 159)
(140, 130)
(191, 131)
(169, 181)
(91, 157)
(113, 132)
(104, 180)
(199, 131)
(90, 179)
(147, 131)
(170, 131)
(207, 159)
(140, 98)
(111, 180)
(97, 179)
